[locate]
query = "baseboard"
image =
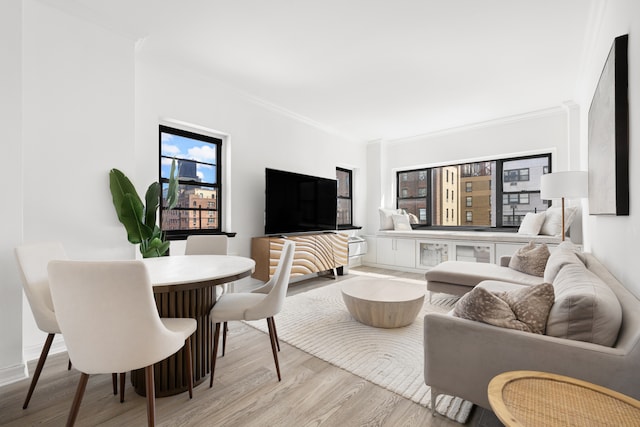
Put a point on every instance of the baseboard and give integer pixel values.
(12, 374)
(33, 352)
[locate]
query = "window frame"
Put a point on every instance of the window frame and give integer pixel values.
(429, 198)
(217, 186)
(349, 172)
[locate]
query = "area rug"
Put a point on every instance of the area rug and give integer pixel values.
(318, 323)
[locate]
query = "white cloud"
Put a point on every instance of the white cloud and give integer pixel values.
(203, 153)
(169, 149)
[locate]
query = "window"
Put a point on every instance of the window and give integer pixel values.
(516, 175)
(489, 201)
(345, 200)
(199, 182)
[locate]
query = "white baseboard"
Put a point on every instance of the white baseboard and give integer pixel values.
(12, 374)
(33, 352)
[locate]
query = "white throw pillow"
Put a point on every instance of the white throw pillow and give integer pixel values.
(401, 222)
(532, 223)
(553, 221)
(386, 222)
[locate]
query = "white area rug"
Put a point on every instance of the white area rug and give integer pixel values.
(318, 322)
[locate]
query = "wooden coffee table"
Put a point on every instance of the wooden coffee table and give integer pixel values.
(530, 398)
(383, 303)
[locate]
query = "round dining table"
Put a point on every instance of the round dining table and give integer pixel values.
(185, 286)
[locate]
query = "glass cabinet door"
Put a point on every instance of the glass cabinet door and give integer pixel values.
(474, 252)
(432, 253)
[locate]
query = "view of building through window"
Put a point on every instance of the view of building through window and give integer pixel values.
(198, 171)
(495, 193)
(345, 201)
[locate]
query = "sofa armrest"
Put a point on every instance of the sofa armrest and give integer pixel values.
(462, 356)
(504, 260)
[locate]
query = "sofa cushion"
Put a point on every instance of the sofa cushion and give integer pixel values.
(564, 254)
(530, 259)
(586, 309)
(468, 273)
(524, 309)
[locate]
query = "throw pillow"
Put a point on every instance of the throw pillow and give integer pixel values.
(523, 309)
(532, 223)
(386, 220)
(401, 222)
(553, 221)
(530, 259)
(531, 305)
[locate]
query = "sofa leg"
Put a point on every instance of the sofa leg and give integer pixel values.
(434, 395)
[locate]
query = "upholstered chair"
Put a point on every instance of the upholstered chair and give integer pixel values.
(254, 306)
(108, 316)
(32, 263)
(209, 244)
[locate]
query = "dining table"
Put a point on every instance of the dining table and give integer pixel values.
(185, 286)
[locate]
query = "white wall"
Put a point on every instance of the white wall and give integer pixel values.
(614, 240)
(258, 138)
(539, 132)
(11, 366)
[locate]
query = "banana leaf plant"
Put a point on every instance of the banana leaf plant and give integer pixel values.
(139, 219)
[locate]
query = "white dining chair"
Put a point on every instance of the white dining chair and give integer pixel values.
(254, 306)
(32, 262)
(108, 316)
(209, 244)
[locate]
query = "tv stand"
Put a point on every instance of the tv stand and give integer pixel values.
(314, 253)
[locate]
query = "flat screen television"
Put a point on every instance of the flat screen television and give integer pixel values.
(299, 203)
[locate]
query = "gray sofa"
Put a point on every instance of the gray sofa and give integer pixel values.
(461, 356)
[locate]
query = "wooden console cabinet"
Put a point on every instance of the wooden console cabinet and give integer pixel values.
(314, 253)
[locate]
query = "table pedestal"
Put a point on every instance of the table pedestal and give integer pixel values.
(171, 374)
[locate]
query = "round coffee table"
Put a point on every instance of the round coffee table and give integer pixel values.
(383, 303)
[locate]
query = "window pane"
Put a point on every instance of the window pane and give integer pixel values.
(418, 207)
(523, 192)
(344, 211)
(344, 183)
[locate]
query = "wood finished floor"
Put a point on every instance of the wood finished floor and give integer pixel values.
(245, 392)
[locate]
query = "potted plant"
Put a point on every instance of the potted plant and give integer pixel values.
(139, 219)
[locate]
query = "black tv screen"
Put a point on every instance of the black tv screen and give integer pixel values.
(299, 203)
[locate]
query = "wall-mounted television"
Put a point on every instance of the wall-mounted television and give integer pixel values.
(298, 203)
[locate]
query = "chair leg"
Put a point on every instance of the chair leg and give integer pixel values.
(273, 345)
(39, 366)
(114, 381)
(150, 391)
(123, 378)
(75, 406)
(187, 346)
(214, 353)
(224, 337)
(275, 332)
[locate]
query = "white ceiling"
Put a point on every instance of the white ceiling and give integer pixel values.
(370, 69)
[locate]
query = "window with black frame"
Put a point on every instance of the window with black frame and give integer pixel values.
(199, 182)
(345, 198)
(488, 193)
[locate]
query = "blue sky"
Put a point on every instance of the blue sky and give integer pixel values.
(190, 149)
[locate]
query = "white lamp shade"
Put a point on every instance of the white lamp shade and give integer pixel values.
(570, 185)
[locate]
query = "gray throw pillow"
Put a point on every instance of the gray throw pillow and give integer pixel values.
(524, 309)
(530, 259)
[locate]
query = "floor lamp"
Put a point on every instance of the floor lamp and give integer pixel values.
(561, 185)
